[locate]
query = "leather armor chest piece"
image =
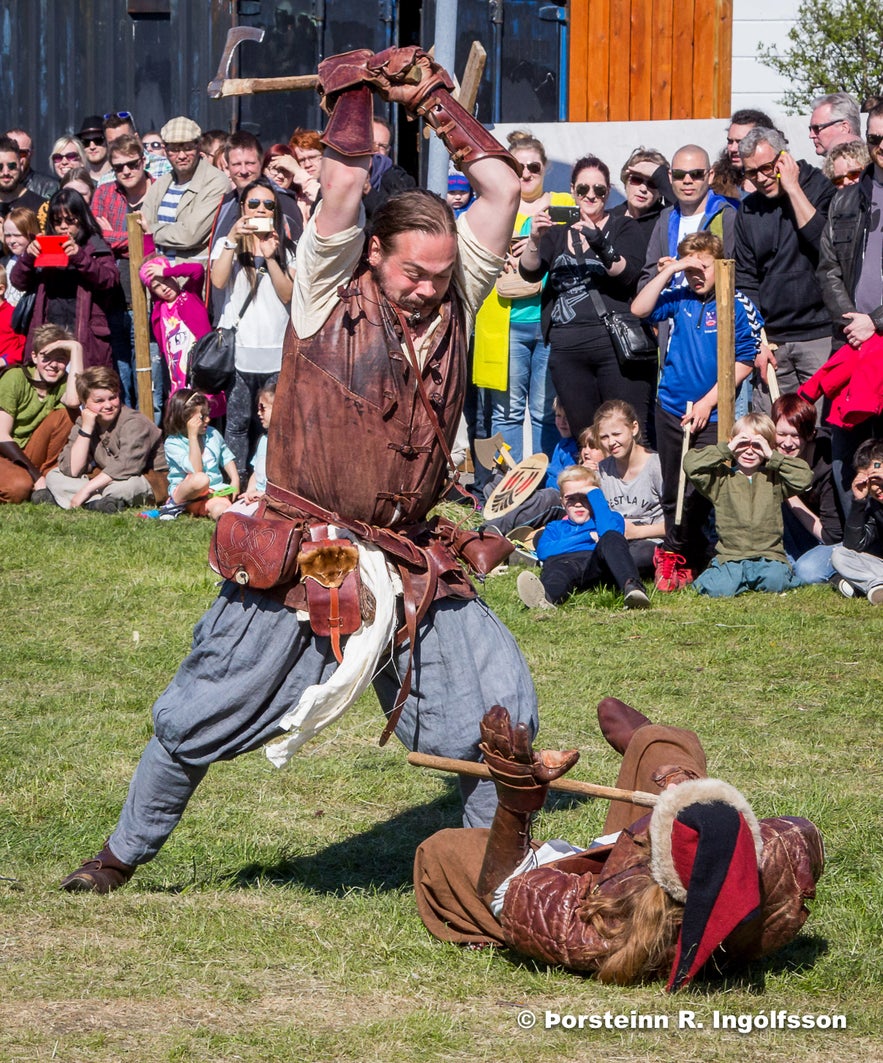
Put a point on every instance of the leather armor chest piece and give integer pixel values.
(349, 431)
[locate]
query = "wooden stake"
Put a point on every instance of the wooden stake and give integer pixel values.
(725, 295)
(139, 315)
(567, 786)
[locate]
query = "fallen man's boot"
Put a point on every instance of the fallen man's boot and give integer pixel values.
(102, 874)
(618, 722)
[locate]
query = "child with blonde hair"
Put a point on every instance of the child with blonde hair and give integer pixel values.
(631, 479)
(583, 549)
(746, 479)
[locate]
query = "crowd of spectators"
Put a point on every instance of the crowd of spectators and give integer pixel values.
(220, 219)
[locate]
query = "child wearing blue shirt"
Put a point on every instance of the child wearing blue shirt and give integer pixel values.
(584, 549)
(198, 458)
(689, 374)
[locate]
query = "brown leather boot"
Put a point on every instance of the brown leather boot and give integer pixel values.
(619, 722)
(102, 874)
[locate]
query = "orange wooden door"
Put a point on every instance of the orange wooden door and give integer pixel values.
(634, 60)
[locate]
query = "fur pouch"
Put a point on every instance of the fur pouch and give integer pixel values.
(329, 569)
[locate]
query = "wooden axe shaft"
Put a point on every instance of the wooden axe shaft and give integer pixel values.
(248, 86)
(567, 786)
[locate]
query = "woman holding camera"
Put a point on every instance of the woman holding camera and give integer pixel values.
(511, 355)
(254, 266)
(83, 288)
(592, 266)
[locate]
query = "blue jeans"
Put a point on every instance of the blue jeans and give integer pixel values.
(530, 387)
(728, 578)
(122, 349)
(815, 565)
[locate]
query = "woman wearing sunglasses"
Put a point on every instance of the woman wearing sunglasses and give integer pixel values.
(592, 265)
(647, 189)
(67, 153)
(511, 355)
(253, 265)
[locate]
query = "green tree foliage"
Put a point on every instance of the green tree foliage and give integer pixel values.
(836, 45)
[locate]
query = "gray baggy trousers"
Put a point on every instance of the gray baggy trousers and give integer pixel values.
(250, 662)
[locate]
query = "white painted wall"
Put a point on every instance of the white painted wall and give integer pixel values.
(754, 21)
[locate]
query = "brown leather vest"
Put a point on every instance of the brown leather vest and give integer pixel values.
(349, 430)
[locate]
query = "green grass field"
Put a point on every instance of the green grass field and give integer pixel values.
(278, 922)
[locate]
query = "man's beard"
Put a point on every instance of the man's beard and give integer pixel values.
(414, 307)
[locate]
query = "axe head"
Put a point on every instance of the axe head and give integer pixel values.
(235, 37)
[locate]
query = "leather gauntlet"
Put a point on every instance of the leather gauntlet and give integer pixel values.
(412, 78)
(521, 775)
(346, 97)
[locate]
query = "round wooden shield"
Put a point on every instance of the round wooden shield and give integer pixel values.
(516, 486)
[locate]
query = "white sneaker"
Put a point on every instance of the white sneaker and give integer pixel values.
(635, 596)
(875, 595)
(844, 587)
(532, 592)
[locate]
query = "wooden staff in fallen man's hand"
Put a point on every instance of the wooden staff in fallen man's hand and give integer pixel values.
(568, 786)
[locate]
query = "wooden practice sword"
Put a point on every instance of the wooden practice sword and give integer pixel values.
(567, 786)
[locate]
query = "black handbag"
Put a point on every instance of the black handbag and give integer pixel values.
(23, 312)
(633, 340)
(212, 363)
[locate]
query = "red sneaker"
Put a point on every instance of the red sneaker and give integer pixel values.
(669, 570)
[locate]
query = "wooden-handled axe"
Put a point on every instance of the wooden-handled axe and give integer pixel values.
(222, 85)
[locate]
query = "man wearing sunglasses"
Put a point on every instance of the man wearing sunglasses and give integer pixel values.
(40, 183)
(778, 230)
(179, 208)
(91, 134)
(122, 124)
(13, 190)
(835, 119)
(696, 209)
(852, 283)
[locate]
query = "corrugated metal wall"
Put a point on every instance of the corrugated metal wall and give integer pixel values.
(61, 60)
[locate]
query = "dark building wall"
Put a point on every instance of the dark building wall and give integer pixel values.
(61, 60)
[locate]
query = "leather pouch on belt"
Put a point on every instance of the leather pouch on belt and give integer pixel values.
(480, 550)
(255, 551)
(329, 569)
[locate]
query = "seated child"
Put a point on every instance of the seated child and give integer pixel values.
(859, 559)
(689, 374)
(38, 404)
(179, 318)
(12, 344)
(747, 481)
(584, 549)
(631, 479)
(196, 454)
(591, 453)
(114, 457)
(813, 523)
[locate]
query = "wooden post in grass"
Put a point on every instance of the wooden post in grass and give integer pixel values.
(139, 316)
(725, 295)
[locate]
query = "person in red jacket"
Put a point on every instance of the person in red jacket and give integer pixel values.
(80, 294)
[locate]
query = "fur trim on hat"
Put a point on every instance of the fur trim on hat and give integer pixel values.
(670, 803)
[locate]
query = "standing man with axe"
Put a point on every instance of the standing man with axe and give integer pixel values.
(367, 407)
